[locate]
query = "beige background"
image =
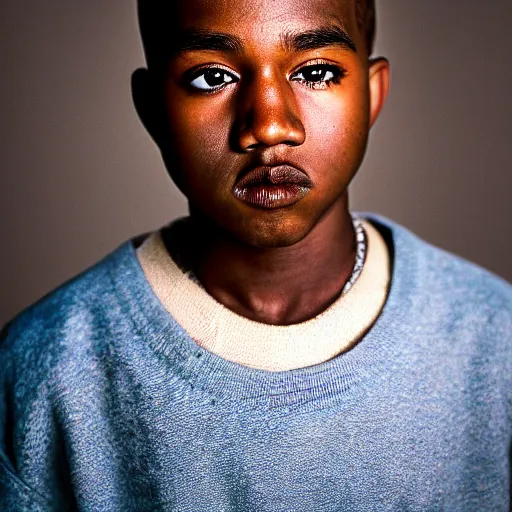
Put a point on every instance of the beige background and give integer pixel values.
(79, 175)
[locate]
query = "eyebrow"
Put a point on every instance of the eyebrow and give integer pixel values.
(332, 35)
(201, 40)
(206, 40)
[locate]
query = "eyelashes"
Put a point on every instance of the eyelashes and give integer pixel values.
(213, 79)
(318, 75)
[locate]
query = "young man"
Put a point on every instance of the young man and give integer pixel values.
(272, 351)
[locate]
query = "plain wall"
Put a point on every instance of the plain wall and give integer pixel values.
(79, 175)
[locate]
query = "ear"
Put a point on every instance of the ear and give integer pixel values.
(148, 102)
(379, 86)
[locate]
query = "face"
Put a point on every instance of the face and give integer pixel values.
(267, 107)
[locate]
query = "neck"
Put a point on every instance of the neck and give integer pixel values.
(278, 286)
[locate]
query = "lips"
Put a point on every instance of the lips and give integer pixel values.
(273, 187)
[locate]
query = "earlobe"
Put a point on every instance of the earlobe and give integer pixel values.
(379, 86)
(147, 103)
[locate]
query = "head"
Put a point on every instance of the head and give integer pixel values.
(236, 84)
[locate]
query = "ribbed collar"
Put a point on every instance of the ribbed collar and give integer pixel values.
(269, 347)
(313, 386)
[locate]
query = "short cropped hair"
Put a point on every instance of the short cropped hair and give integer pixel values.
(154, 15)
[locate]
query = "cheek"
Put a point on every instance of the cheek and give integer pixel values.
(198, 131)
(337, 124)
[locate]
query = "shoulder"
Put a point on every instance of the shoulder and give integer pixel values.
(443, 270)
(450, 293)
(69, 321)
(49, 353)
(450, 313)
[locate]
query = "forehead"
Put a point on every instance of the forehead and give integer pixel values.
(261, 18)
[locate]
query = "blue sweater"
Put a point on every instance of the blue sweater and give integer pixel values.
(106, 404)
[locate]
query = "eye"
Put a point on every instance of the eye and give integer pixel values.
(318, 76)
(212, 79)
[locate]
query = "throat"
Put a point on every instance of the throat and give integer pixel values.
(282, 286)
(286, 304)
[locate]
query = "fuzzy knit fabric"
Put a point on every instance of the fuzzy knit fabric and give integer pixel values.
(106, 404)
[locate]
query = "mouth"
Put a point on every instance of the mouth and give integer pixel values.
(273, 187)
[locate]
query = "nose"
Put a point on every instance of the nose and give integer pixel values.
(268, 114)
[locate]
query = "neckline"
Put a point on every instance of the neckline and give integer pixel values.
(270, 347)
(313, 386)
(173, 233)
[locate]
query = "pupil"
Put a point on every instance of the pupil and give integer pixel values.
(214, 78)
(316, 75)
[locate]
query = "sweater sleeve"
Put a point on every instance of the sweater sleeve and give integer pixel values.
(28, 446)
(15, 496)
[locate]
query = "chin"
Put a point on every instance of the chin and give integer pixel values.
(272, 232)
(272, 240)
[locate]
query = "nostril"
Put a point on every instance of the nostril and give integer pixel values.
(256, 145)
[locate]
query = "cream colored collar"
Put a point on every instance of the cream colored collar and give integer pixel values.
(269, 347)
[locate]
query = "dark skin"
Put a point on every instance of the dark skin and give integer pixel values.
(311, 105)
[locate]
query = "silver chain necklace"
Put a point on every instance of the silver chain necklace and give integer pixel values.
(361, 247)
